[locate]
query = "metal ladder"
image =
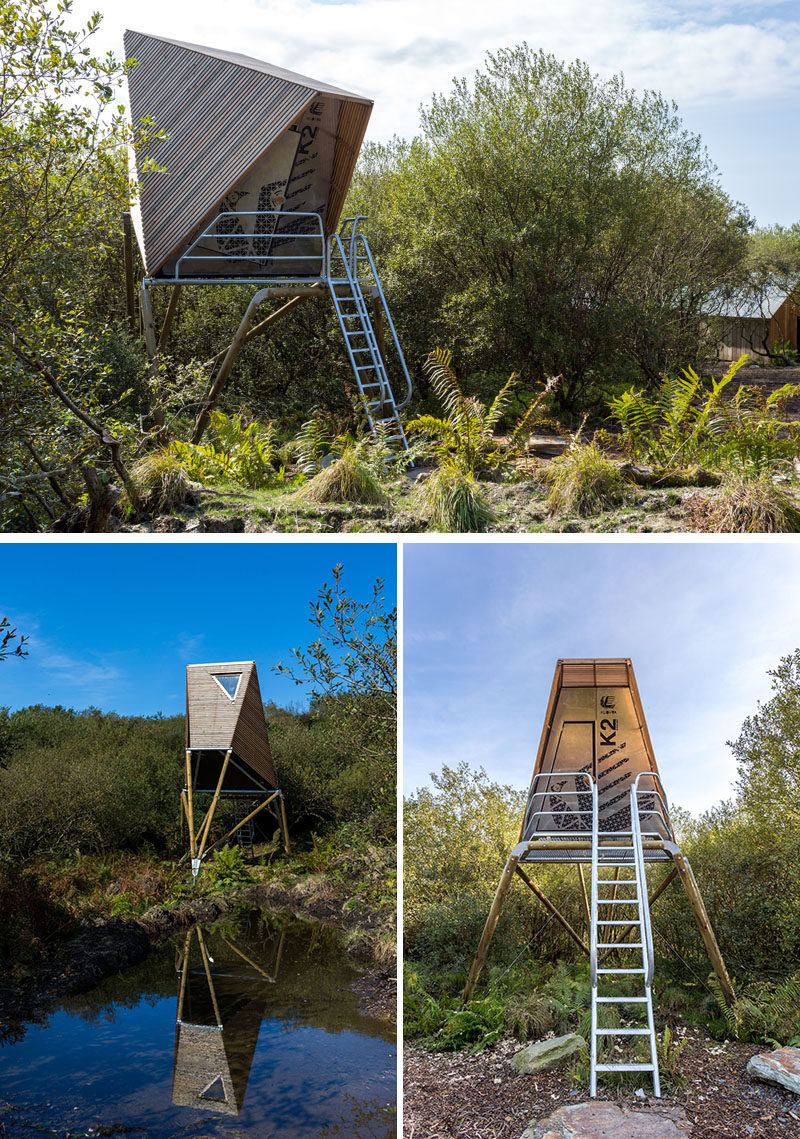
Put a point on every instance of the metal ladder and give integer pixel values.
(363, 351)
(618, 856)
(245, 837)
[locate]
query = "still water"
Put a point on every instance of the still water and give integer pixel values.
(246, 1028)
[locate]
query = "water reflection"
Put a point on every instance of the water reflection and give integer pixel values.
(249, 1027)
(221, 1003)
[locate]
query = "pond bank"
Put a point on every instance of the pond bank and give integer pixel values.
(109, 946)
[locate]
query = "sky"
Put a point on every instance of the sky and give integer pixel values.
(732, 68)
(113, 625)
(485, 624)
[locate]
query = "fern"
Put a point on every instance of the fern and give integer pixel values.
(235, 452)
(466, 432)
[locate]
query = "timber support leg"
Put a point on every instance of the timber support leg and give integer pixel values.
(287, 846)
(704, 925)
(488, 930)
(548, 905)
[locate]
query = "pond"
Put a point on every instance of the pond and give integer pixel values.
(241, 1028)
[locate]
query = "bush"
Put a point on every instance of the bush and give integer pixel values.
(584, 482)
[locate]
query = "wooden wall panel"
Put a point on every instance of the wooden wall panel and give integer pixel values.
(214, 721)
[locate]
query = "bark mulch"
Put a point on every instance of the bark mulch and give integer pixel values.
(460, 1096)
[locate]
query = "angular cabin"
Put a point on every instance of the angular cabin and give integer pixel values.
(224, 712)
(594, 725)
(246, 141)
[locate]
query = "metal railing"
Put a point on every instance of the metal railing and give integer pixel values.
(550, 812)
(272, 240)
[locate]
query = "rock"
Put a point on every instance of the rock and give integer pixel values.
(601, 1120)
(781, 1067)
(550, 445)
(544, 1054)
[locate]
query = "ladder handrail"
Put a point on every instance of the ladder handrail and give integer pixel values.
(644, 907)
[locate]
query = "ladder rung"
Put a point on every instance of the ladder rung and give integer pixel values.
(366, 368)
(622, 1032)
(624, 1067)
(619, 945)
(615, 921)
(625, 971)
(618, 901)
(621, 865)
(620, 1000)
(389, 419)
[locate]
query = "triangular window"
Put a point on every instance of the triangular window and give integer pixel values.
(229, 684)
(216, 1089)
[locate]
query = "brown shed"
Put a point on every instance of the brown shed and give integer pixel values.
(242, 137)
(594, 725)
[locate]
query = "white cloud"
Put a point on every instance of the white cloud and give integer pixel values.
(399, 51)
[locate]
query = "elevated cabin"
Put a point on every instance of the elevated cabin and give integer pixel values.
(224, 713)
(255, 167)
(595, 726)
(227, 752)
(247, 187)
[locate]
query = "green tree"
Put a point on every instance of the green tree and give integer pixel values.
(8, 635)
(549, 222)
(767, 751)
(66, 360)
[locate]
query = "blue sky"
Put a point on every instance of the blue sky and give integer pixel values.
(485, 624)
(732, 68)
(113, 625)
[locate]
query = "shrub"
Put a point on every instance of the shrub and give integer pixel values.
(467, 434)
(584, 482)
(239, 453)
(453, 502)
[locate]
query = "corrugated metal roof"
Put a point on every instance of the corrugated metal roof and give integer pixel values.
(745, 306)
(221, 112)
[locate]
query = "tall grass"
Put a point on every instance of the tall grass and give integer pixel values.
(584, 482)
(453, 501)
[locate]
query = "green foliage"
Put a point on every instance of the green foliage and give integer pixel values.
(767, 753)
(580, 242)
(763, 1012)
(685, 423)
(238, 453)
(227, 869)
(8, 635)
(584, 482)
(453, 501)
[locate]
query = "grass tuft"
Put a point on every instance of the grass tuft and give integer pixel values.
(453, 501)
(348, 479)
(584, 482)
(750, 505)
(162, 482)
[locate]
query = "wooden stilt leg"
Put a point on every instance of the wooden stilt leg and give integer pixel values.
(704, 925)
(174, 296)
(548, 905)
(488, 930)
(586, 910)
(204, 954)
(286, 844)
(189, 805)
(127, 248)
(206, 827)
(184, 971)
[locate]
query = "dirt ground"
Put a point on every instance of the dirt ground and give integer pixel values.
(460, 1096)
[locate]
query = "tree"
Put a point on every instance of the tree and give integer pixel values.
(549, 222)
(8, 635)
(351, 667)
(767, 752)
(65, 358)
